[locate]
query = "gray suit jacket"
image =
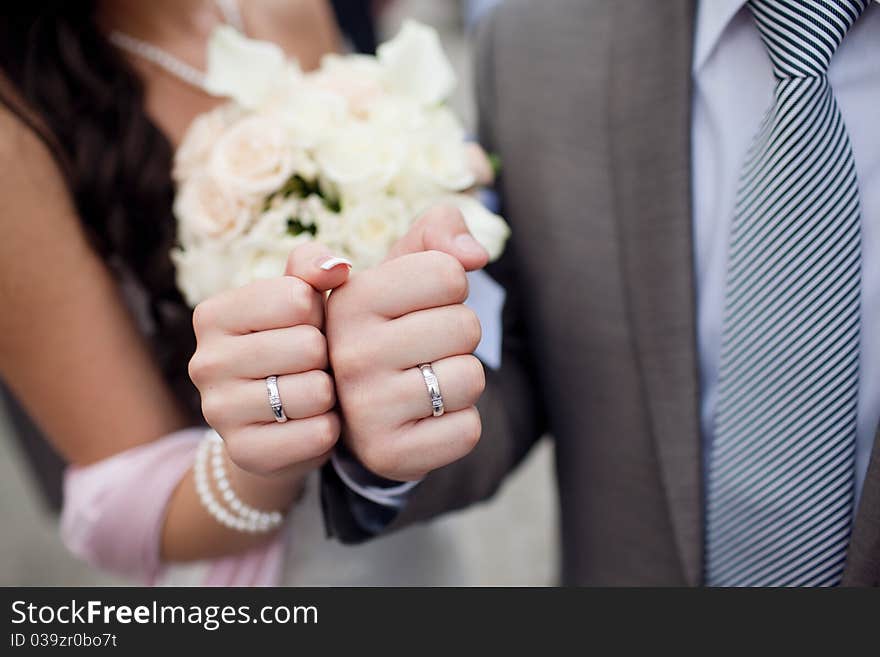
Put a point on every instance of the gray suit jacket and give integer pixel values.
(588, 104)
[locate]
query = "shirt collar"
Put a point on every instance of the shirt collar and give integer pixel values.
(712, 17)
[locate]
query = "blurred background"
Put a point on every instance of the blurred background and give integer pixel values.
(512, 540)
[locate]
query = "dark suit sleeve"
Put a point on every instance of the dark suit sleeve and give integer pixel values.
(511, 412)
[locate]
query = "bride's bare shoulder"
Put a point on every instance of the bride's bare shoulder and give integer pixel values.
(31, 171)
(43, 239)
(30, 166)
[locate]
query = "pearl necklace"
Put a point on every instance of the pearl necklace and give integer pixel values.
(168, 62)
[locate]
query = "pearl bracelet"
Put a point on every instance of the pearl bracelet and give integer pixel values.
(242, 517)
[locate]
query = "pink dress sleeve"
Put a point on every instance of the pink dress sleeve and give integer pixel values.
(114, 511)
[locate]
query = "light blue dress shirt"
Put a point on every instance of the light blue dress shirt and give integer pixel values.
(733, 88)
(476, 10)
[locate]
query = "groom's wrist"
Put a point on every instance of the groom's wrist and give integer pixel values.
(367, 484)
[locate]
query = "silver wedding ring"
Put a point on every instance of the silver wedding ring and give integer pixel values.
(275, 399)
(433, 386)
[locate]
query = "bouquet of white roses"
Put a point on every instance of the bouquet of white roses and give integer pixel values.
(348, 155)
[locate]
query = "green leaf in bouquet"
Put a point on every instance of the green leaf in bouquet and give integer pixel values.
(332, 203)
(299, 187)
(302, 188)
(296, 227)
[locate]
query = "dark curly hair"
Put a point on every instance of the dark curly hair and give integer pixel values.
(85, 101)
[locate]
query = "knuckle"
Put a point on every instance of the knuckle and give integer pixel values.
(472, 429)
(194, 369)
(237, 449)
(204, 316)
(326, 431)
(476, 376)
(214, 408)
(203, 367)
(324, 391)
(300, 298)
(313, 341)
(449, 274)
(471, 328)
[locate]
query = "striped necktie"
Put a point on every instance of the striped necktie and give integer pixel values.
(780, 480)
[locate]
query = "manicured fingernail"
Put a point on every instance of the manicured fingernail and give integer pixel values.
(468, 244)
(329, 262)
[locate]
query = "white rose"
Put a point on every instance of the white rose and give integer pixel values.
(415, 65)
(372, 225)
(396, 112)
(313, 211)
(309, 113)
(440, 152)
(358, 156)
(488, 228)
(244, 69)
(199, 140)
(207, 211)
(357, 78)
(253, 157)
(202, 272)
(271, 226)
(330, 227)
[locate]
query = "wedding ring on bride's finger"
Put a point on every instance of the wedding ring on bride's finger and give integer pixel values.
(275, 399)
(433, 386)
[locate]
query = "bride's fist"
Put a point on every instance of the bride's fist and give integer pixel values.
(385, 322)
(270, 327)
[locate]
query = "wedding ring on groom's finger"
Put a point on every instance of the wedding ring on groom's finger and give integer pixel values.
(433, 386)
(275, 399)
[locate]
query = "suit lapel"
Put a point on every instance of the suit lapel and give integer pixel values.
(650, 97)
(863, 557)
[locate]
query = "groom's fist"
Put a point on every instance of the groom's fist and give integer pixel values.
(442, 229)
(382, 325)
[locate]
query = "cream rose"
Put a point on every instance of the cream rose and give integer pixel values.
(199, 140)
(309, 113)
(356, 78)
(373, 224)
(399, 113)
(207, 211)
(440, 153)
(360, 157)
(253, 157)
